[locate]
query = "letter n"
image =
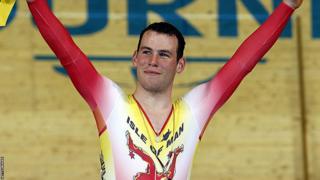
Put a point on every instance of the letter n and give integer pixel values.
(228, 16)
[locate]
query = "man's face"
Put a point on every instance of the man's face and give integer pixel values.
(156, 61)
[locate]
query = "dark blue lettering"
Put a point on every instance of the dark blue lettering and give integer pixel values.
(170, 141)
(144, 138)
(97, 18)
(132, 125)
(315, 4)
(181, 129)
(176, 135)
(228, 21)
(138, 9)
(137, 132)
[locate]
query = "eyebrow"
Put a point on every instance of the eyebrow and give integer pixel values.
(145, 47)
(161, 50)
(165, 51)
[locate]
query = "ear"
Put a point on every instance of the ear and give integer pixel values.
(181, 65)
(134, 58)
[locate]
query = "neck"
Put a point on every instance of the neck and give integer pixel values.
(153, 100)
(156, 105)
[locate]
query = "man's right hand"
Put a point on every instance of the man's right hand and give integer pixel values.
(293, 3)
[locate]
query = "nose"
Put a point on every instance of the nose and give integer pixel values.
(154, 60)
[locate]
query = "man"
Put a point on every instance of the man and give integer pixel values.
(145, 135)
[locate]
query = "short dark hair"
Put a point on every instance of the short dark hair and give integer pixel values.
(169, 29)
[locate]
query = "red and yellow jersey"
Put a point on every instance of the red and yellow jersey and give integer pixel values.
(131, 149)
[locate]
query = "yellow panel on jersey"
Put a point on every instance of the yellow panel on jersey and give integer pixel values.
(159, 144)
(106, 160)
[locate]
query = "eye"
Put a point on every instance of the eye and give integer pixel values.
(146, 52)
(163, 54)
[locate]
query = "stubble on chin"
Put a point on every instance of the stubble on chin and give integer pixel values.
(152, 87)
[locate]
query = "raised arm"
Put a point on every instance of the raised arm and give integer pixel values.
(213, 94)
(79, 68)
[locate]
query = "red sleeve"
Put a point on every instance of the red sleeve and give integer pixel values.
(83, 75)
(213, 94)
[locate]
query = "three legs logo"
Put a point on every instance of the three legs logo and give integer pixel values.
(151, 172)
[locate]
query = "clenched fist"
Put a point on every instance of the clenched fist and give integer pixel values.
(293, 3)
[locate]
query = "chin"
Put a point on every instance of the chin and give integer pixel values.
(155, 89)
(153, 85)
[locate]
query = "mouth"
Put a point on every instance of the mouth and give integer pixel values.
(150, 72)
